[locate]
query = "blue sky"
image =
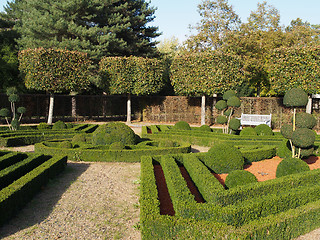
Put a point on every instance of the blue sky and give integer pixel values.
(174, 16)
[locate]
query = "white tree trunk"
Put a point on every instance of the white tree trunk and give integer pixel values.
(309, 105)
(51, 104)
(129, 109)
(203, 110)
(73, 107)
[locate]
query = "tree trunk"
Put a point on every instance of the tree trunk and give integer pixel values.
(51, 104)
(73, 107)
(203, 110)
(129, 109)
(309, 105)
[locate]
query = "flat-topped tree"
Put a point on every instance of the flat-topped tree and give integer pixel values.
(54, 71)
(132, 75)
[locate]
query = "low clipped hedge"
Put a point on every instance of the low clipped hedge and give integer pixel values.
(106, 154)
(17, 194)
(238, 178)
(258, 153)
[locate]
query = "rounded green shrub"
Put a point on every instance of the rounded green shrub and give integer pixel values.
(221, 105)
(21, 110)
(287, 131)
(205, 128)
(15, 124)
(14, 98)
(59, 125)
(234, 124)
(306, 152)
(166, 144)
(224, 158)
(305, 120)
(234, 102)
(263, 130)
(248, 131)
(113, 132)
(79, 138)
(303, 137)
(182, 125)
(43, 125)
(295, 97)
(228, 94)
(239, 177)
(4, 112)
(291, 166)
(65, 144)
(117, 146)
(221, 119)
(284, 149)
(227, 112)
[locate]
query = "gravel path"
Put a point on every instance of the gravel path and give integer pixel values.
(87, 201)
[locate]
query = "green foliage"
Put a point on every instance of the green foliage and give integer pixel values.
(221, 105)
(291, 166)
(65, 144)
(55, 70)
(43, 125)
(287, 130)
(4, 112)
(21, 110)
(228, 94)
(79, 138)
(227, 112)
(263, 130)
(295, 67)
(307, 152)
(182, 125)
(234, 102)
(205, 128)
(205, 73)
(234, 124)
(113, 132)
(59, 125)
(221, 119)
(239, 178)
(284, 149)
(13, 98)
(295, 97)
(303, 138)
(117, 146)
(15, 124)
(224, 158)
(167, 143)
(248, 131)
(305, 120)
(132, 75)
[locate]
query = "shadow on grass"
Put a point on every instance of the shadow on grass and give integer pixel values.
(42, 204)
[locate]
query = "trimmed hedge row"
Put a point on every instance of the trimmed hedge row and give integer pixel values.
(258, 153)
(97, 155)
(17, 194)
(11, 158)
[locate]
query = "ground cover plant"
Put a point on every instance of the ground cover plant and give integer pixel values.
(21, 176)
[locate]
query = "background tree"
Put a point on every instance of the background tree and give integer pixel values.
(132, 75)
(54, 71)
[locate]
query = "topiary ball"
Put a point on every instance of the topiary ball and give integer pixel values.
(287, 131)
(224, 158)
(222, 119)
(21, 110)
(284, 149)
(307, 152)
(65, 144)
(305, 120)
(291, 166)
(4, 112)
(263, 130)
(228, 94)
(239, 177)
(14, 98)
(221, 105)
(182, 125)
(79, 138)
(248, 131)
(117, 146)
(59, 125)
(234, 102)
(303, 138)
(113, 132)
(42, 126)
(234, 124)
(205, 128)
(11, 90)
(295, 97)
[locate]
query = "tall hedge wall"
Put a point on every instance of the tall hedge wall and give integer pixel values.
(295, 67)
(205, 73)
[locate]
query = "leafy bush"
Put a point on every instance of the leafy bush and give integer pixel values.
(182, 125)
(42, 126)
(113, 132)
(221, 119)
(228, 94)
(305, 120)
(248, 131)
(117, 146)
(79, 138)
(4, 112)
(65, 144)
(234, 124)
(239, 177)
(306, 152)
(224, 158)
(221, 105)
(303, 137)
(234, 102)
(295, 97)
(284, 149)
(205, 128)
(287, 131)
(290, 166)
(59, 125)
(263, 130)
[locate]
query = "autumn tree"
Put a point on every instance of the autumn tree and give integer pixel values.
(54, 71)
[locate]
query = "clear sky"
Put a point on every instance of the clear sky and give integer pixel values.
(174, 16)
